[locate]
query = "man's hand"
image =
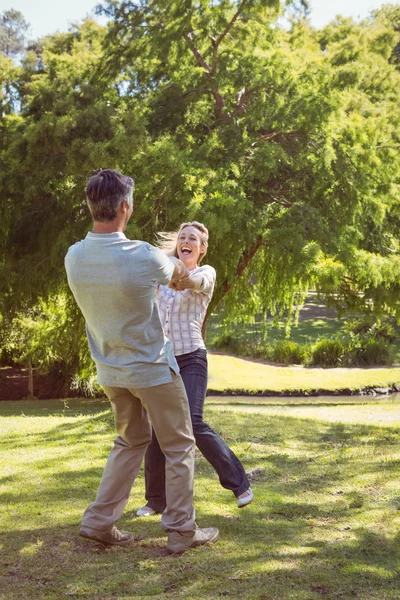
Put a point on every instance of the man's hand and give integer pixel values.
(180, 271)
(186, 283)
(192, 282)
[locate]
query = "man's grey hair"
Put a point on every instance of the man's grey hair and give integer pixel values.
(106, 191)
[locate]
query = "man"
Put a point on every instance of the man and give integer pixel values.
(113, 280)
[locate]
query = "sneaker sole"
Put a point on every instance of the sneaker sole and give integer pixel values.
(147, 514)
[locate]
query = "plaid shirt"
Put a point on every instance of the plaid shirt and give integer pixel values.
(182, 312)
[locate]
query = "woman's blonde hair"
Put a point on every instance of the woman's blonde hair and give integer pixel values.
(168, 241)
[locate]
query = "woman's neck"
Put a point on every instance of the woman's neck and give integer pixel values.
(190, 267)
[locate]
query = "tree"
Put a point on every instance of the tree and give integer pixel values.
(285, 143)
(390, 15)
(13, 28)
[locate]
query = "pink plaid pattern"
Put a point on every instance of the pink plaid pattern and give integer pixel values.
(182, 312)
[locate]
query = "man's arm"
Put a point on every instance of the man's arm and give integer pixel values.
(180, 270)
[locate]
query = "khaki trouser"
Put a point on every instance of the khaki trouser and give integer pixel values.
(167, 407)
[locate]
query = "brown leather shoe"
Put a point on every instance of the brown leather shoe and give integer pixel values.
(179, 543)
(114, 537)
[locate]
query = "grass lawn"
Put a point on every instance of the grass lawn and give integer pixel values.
(307, 330)
(232, 373)
(325, 521)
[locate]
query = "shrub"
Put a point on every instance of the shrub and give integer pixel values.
(327, 353)
(368, 341)
(237, 346)
(226, 341)
(288, 352)
(372, 327)
(370, 352)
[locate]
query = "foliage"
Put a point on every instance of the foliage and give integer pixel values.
(363, 342)
(390, 13)
(368, 341)
(13, 29)
(374, 352)
(328, 353)
(284, 142)
(233, 344)
(369, 325)
(289, 352)
(48, 336)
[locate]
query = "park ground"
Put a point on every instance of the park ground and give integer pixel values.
(325, 521)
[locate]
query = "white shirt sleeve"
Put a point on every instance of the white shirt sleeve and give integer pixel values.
(209, 276)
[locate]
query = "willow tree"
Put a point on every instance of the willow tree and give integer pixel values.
(67, 125)
(285, 143)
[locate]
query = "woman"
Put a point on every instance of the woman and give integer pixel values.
(182, 310)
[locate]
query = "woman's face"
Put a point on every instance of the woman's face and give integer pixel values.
(189, 246)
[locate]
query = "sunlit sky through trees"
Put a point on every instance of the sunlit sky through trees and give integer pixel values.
(47, 16)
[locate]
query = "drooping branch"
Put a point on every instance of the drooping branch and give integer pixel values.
(242, 265)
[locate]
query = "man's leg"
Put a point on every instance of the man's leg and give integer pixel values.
(124, 461)
(168, 410)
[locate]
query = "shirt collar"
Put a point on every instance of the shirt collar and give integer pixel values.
(116, 235)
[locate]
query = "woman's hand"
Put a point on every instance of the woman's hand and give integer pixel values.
(187, 283)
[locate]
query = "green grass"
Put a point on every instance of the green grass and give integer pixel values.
(306, 330)
(325, 520)
(232, 373)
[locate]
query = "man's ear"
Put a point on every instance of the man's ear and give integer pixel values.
(124, 206)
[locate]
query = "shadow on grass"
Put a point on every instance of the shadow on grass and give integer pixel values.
(281, 562)
(283, 547)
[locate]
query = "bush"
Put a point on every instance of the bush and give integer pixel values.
(228, 342)
(370, 352)
(372, 328)
(327, 353)
(368, 341)
(234, 345)
(288, 352)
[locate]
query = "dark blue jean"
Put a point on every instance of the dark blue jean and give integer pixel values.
(193, 367)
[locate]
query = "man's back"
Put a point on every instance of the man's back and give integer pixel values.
(113, 281)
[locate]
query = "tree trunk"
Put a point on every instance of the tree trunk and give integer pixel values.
(30, 379)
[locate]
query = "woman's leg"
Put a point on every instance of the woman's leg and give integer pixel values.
(154, 475)
(232, 476)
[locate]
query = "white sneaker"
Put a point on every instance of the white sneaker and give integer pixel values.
(245, 498)
(146, 511)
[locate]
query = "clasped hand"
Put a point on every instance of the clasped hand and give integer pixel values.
(186, 283)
